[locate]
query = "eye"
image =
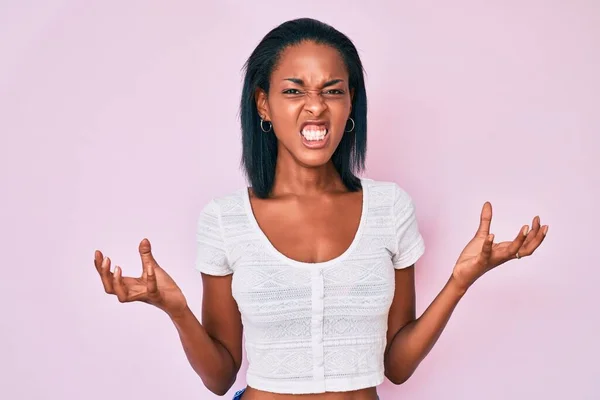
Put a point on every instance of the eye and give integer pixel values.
(334, 92)
(291, 91)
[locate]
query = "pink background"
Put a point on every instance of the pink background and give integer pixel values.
(118, 121)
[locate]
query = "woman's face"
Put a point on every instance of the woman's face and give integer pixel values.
(308, 103)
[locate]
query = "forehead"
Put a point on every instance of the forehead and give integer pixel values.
(311, 62)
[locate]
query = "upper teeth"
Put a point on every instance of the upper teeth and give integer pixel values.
(314, 132)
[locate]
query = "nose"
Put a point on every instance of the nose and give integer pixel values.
(314, 103)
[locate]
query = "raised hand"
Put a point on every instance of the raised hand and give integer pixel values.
(154, 286)
(481, 254)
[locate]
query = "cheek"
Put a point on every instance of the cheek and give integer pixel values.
(340, 112)
(285, 110)
(286, 113)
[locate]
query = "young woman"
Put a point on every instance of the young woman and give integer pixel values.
(315, 263)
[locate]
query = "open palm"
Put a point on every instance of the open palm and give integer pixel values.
(154, 286)
(481, 254)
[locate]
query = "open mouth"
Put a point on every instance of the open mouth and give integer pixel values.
(314, 133)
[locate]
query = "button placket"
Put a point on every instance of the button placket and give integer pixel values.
(317, 324)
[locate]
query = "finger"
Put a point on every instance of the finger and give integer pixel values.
(106, 276)
(485, 220)
(145, 250)
(535, 224)
(535, 227)
(528, 248)
(119, 287)
(516, 244)
(486, 250)
(151, 284)
(98, 258)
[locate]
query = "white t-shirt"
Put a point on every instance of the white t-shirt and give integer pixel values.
(312, 327)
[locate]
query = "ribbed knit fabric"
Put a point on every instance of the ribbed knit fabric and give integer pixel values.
(312, 327)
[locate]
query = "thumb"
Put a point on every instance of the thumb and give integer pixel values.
(146, 254)
(151, 284)
(486, 250)
(485, 220)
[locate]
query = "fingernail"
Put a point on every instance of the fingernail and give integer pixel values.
(545, 229)
(525, 229)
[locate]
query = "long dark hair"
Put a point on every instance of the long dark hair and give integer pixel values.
(259, 153)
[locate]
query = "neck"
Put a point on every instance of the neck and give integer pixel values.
(293, 178)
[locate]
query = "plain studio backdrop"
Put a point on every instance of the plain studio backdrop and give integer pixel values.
(119, 121)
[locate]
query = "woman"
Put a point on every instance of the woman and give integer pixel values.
(316, 264)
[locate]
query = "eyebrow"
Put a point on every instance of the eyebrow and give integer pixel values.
(301, 82)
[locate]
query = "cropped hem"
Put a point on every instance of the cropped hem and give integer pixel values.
(314, 386)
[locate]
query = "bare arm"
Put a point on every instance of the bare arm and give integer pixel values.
(213, 348)
(410, 339)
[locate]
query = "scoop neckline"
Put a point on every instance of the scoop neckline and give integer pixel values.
(267, 243)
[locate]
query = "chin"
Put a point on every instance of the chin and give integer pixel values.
(310, 157)
(314, 159)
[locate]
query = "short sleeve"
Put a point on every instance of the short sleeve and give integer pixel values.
(409, 244)
(211, 256)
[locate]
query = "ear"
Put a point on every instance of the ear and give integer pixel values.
(262, 104)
